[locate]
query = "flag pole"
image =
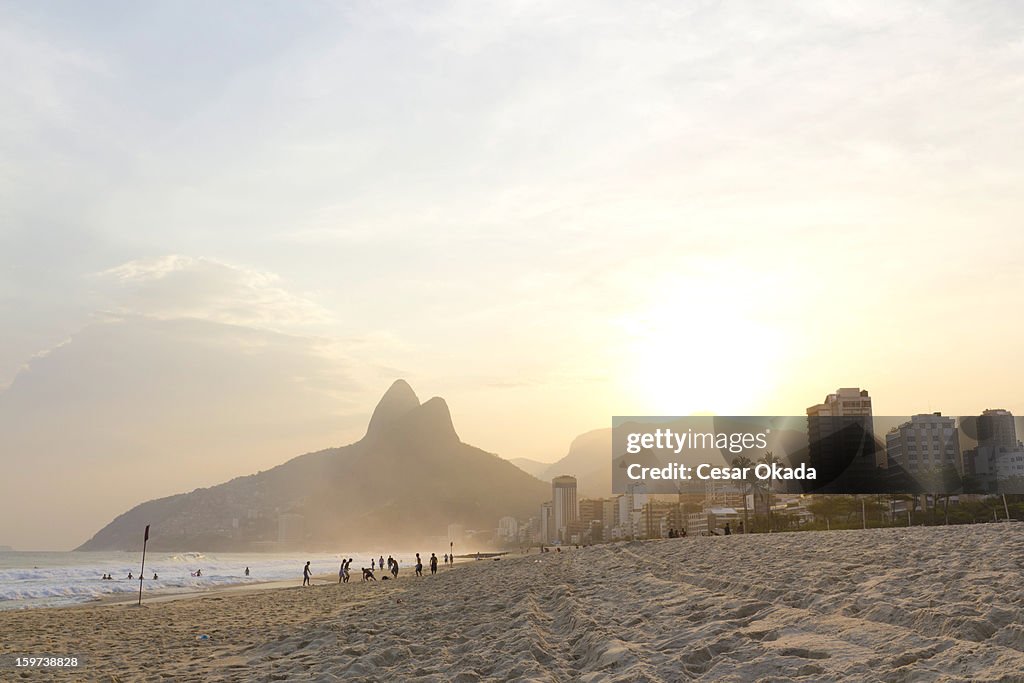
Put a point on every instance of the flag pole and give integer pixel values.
(142, 571)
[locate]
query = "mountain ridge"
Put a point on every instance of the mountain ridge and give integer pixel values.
(408, 477)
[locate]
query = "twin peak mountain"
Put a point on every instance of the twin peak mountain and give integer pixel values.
(407, 479)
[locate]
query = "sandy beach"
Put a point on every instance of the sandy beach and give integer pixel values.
(923, 604)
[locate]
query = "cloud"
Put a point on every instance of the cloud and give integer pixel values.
(176, 286)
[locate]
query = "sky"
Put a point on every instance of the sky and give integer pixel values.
(226, 229)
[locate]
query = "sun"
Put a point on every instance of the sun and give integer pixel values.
(711, 354)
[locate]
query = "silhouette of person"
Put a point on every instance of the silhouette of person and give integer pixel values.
(728, 531)
(247, 571)
(419, 565)
(433, 563)
(306, 573)
(344, 569)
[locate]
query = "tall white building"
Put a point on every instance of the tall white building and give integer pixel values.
(998, 454)
(849, 402)
(839, 429)
(563, 499)
(547, 523)
(928, 442)
(508, 530)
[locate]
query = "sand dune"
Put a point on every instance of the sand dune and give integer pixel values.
(925, 604)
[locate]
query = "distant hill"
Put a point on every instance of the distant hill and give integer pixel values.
(589, 460)
(532, 467)
(408, 478)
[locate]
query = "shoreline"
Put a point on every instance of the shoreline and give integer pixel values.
(218, 583)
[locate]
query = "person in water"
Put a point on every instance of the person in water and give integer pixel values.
(130, 577)
(155, 577)
(247, 571)
(433, 563)
(306, 573)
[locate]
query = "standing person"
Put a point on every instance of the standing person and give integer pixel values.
(728, 531)
(381, 565)
(344, 567)
(419, 565)
(247, 571)
(341, 571)
(306, 573)
(433, 563)
(446, 559)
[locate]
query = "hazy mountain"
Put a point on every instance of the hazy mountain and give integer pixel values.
(589, 460)
(408, 478)
(532, 467)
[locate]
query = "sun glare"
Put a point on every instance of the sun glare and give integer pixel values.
(700, 354)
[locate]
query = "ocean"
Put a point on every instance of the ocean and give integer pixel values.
(55, 579)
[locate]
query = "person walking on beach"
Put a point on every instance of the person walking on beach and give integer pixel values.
(419, 565)
(728, 531)
(306, 573)
(341, 571)
(433, 563)
(345, 564)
